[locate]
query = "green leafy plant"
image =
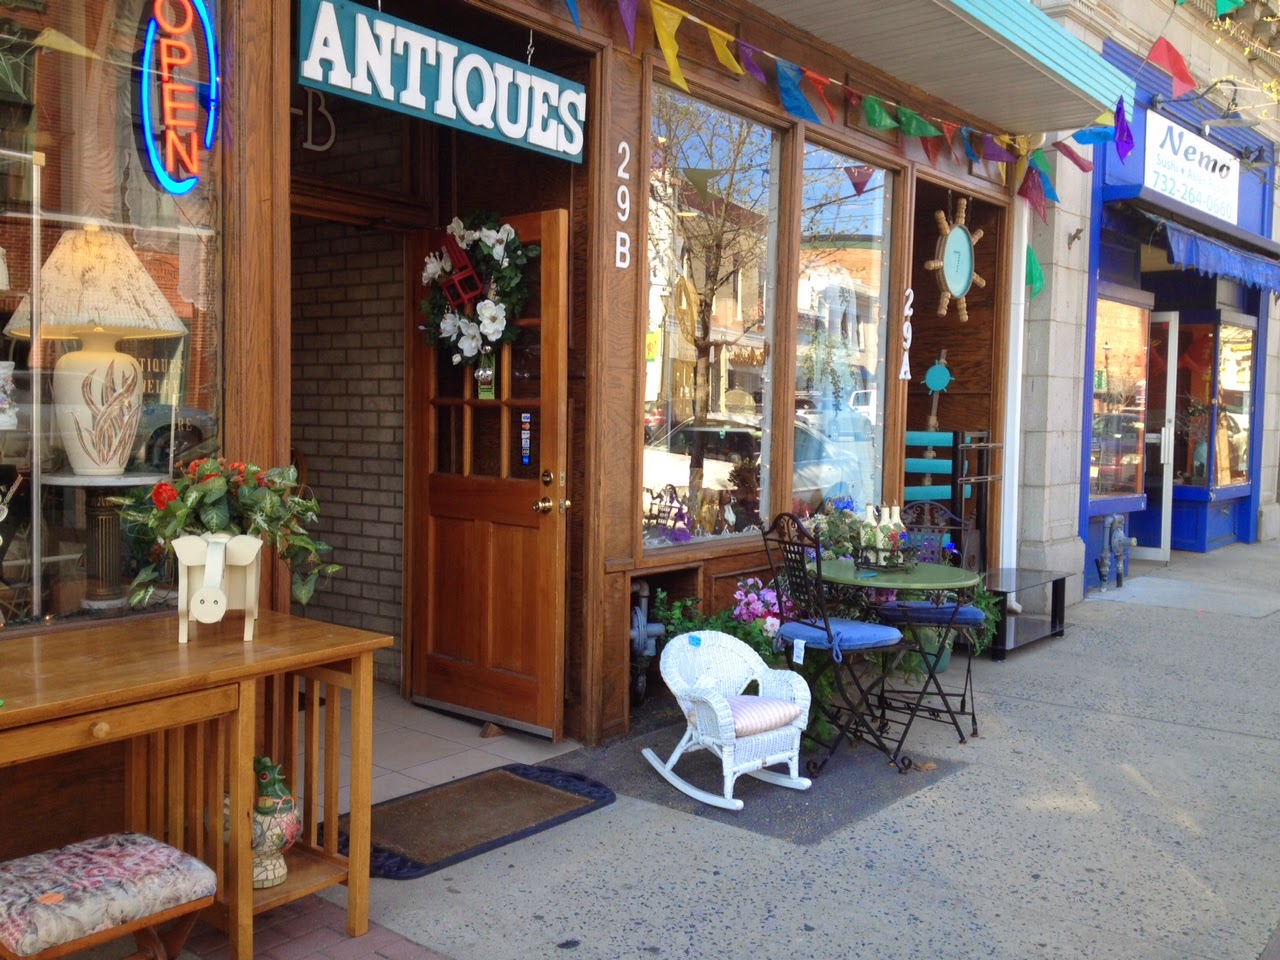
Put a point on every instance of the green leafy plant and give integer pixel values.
(214, 495)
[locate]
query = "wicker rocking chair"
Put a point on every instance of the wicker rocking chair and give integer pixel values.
(708, 672)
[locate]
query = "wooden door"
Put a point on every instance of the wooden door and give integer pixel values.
(487, 604)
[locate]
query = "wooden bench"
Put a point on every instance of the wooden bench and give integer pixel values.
(62, 901)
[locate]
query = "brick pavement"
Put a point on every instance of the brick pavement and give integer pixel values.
(310, 929)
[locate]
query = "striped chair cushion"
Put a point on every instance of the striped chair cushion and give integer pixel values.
(752, 715)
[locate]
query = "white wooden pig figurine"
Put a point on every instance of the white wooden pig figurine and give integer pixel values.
(216, 573)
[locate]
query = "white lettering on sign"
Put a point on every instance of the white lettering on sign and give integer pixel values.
(1188, 168)
(622, 239)
(908, 311)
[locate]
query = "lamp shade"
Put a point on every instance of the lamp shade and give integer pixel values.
(93, 281)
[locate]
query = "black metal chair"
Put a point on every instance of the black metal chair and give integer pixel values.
(795, 560)
(939, 536)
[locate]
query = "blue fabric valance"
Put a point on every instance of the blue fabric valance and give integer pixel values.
(1218, 259)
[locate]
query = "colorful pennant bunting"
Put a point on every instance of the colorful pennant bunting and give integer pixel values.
(573, 12)
(1066, 150)
(666, 21)
(991, 150)
(932, 147)
(747, 52)
(914, 125)
(860, 176)
(1223, 7)
(720, 41)
(1092, 136)
(793, 99)
(1032, 191)
(1040, 161)
(1124, 136)
(820, 83)
(877, 114)
(1035, 273)
(949, 131)
(972, 154)
(627, 10)
(1165, 56)
(1046, 184)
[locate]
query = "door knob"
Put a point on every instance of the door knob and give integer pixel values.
(565, 505)
(99, 730)
(543, 506)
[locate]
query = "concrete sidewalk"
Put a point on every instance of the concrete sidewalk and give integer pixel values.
(1121, 803)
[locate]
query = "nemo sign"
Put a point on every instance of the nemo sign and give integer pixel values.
(178, 92)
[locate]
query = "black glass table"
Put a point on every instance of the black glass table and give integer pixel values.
(1027, 628)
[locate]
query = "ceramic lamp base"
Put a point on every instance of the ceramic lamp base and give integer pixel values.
(97, 393)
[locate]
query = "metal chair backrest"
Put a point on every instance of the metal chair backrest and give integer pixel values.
(795, 560)
(939, 536)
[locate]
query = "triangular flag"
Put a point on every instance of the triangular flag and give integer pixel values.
(877, 114)
(1091, 136)
(1032, 191)
(700, 178)
(51, 39)
(627, 10)
(1020, 169)
(666, 21)
(1035, 273)
(932, 147)
(797, 104)
(1124, 136)
(1107, 118)
(972, 154)
(1223, 7)
(573, 12)
(1165, 56)
(860, 176)
(748, 52)
(1047, 185)
(1040, 161)
(991, 150)
(853, 98)
(820, 83)
(721, 40)
(1066, 150)
(949, 131)
(914, 125)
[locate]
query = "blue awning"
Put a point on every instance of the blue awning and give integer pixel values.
(1218, 259)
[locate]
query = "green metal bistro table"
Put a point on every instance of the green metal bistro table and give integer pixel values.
(945, 616)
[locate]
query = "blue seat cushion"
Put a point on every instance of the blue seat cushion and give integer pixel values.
(925, 612)
(849, 634)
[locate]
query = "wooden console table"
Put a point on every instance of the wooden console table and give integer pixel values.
(191, 716)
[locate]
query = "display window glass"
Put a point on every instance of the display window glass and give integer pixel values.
(110, 285)
(1119, 399)
(1235, 393)
(712, 255)
(1194, 411)
(841, 330)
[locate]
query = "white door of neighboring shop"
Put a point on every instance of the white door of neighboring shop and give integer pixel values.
(1153, 527)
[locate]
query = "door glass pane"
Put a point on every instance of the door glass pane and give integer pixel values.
(841, 331)
(713, 212)
(486, 441)
(1235, 392)
(526, 364)
(449, 375)
(1195, 402)
(1157, 412)
(448, 439)
(1119, 400)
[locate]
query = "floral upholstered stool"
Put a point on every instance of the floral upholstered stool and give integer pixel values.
(61, 901)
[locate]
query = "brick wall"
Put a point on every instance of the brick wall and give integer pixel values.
(348, 417)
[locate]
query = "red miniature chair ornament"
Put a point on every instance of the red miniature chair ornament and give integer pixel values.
(461, 286)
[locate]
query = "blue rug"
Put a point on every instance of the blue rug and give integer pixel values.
(423, 832)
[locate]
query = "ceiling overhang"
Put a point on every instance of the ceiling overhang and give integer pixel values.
(1004, 61)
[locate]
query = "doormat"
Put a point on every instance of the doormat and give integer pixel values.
(423, 832)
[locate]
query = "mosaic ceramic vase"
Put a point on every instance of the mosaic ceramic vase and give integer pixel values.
(276, 824)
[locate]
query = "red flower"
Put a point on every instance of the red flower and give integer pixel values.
(163, 494)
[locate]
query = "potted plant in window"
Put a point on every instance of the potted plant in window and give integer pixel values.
(215, 498)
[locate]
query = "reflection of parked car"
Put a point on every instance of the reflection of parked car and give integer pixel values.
(1116, 451)
(841, 421)
(823, 467)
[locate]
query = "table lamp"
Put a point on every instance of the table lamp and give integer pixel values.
(94, 289)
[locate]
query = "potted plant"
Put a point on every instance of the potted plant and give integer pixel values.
(214, 496)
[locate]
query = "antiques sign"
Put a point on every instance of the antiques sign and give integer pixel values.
(355, 51)
(1188, 168)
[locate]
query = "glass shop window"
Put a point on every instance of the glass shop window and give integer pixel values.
(1235, 397)
(110, 284)
(713, 213)
(1119, 399)
(841, 330)
(1194, 410)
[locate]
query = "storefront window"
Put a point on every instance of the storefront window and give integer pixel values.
(1235, 391)
(709, 331)
(840, 334)
(1119, 399)
(1195, 405)
(111, 359)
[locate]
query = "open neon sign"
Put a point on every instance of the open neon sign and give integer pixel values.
(173, 141)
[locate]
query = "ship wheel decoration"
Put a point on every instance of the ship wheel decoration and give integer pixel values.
(954, 263)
